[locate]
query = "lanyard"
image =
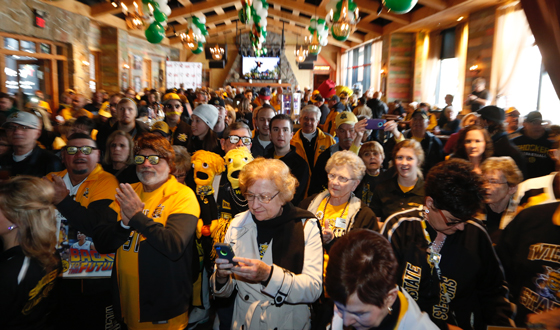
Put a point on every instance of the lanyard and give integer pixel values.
(434, 259)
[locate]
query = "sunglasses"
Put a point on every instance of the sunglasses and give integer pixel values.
(447, 222)
(86, 150)
(140, 159)
(233, 139)
(170, 106)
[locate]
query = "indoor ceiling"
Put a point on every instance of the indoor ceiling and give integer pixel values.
(293, 16)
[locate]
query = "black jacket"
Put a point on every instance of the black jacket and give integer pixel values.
(319, 180)
(299, 168)
(470, 269)
(504, 147)
(39, 163)
(378, 108)
(529, 250)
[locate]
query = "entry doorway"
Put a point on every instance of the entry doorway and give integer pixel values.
(318, 79)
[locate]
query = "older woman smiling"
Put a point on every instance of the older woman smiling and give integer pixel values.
(337, 208)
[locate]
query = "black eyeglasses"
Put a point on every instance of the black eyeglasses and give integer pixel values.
(170, 106)
(233, 139)
(20, 127)
(140, 159)
(86, 150)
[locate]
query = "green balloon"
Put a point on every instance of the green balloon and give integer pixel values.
(159, 16)
(400, 6)
(155, 33)
(199, 49)
(314, 51)
(155, 4)
(146, 1)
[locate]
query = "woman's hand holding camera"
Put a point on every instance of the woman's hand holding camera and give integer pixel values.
(253, 270)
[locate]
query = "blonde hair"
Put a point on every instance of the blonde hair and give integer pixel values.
(363, 110)
(418, 151)
(507, 166)
(182, 159)
(269, 169)
(371, 146)
(350, 159)
(27, 202)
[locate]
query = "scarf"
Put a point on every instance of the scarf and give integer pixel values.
(286, 231)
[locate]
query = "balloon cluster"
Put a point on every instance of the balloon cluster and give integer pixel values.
(255, 13)
(319, 35)
(197, 26)
(400, 6)
(157, 13)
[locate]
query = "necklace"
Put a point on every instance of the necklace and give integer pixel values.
(240, 202)
(437, 247)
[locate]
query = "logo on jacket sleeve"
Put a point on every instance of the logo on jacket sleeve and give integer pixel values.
(182, 137)
(86, 193)
(158, 211)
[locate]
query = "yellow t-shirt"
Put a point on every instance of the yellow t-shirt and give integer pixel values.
(329, 215)
(405, 189)
(158, 205)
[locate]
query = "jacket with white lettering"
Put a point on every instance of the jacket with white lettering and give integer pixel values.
(530, 252)
(470, 270)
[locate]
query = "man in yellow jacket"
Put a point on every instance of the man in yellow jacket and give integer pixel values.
(310, 141)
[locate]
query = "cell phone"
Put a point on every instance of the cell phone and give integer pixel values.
(375, 123)
(224, 251)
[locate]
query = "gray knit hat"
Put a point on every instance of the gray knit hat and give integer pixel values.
(207, 113)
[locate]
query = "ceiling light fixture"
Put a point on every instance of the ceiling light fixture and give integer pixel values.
(134, 20)
(345, 20)
(217, 52)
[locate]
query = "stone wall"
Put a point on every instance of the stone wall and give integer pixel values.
(480, 46)
(63, 26)
(286, 72)
(400, 66)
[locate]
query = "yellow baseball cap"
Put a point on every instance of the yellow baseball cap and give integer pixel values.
(345, 117)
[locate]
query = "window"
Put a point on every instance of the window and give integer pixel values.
(448, 82)
(358, 64)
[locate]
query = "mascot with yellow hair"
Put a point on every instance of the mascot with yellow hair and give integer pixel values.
(206, 165)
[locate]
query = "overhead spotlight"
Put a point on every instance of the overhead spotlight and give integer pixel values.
(115, 3)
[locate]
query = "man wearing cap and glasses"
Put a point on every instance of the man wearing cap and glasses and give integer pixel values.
(81, 191)
(23, 129)
(534, 144)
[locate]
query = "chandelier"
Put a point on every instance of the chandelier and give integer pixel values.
(344, 21)
(134, 20)
(190, 40)
(217, 52)
(314, 45)
(301, 54)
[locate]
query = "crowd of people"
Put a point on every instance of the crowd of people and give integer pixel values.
(216, 209)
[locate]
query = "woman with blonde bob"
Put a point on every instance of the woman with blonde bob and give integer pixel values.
(338, 210)
(277, 269)
(119, 157)
(29, 267)
(501, 177)
(406, 189)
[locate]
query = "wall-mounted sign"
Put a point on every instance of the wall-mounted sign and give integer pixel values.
(183, 74)
(321, 68)
(39, 18)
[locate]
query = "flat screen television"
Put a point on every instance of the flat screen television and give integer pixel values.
(261, 68)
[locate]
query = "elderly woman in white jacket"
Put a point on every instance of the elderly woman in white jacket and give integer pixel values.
(279, 255)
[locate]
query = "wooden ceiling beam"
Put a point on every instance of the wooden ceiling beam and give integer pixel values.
(199, 8)
(305, 8)
(367, 6)
(107, 8)
(436, 4)
(211, 20)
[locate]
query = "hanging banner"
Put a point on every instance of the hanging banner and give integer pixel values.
(183, 75)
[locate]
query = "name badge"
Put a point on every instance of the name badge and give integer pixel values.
(340, 223)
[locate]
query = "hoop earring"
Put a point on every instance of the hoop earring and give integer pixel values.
(12, 227)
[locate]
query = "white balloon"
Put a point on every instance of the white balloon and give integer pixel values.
(161, 3)
(323, 42)
(263, 22)
(164, 23)
(201, 18)
(257, 5)
(165, 9)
